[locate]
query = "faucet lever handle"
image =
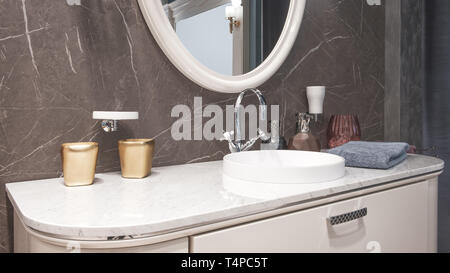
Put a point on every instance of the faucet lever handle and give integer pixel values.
(228, 136)
(262, 135)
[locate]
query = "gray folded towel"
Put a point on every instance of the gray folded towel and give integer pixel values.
(372, 155)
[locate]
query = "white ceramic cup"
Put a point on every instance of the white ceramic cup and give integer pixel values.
(316, 96)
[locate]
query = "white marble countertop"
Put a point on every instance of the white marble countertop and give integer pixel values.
(174, 197)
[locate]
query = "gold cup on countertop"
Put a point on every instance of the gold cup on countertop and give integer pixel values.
(136, 157)
(79, 161)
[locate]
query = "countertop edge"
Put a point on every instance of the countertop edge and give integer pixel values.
(49, 229)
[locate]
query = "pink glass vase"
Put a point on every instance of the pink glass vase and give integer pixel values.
(343, 129)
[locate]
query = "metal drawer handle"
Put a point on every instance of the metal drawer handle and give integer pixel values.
(348, 217)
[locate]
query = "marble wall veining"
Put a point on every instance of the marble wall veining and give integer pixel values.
(60, 60)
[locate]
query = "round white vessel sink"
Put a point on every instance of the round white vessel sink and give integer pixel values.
(284, 167)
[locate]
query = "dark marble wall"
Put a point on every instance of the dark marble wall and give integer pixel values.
(60, 62)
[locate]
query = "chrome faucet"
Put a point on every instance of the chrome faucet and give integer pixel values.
(238, 144)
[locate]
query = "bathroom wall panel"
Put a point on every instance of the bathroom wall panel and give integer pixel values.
(413, 71)
(58, 62)
(405, 71)
(437, 101)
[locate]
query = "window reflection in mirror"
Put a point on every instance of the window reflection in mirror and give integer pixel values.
(231, 37)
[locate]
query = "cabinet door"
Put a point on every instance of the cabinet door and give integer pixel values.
(396, 221)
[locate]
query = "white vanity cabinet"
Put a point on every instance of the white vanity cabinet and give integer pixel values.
(402, 219)
(399, 219)
(366, 211)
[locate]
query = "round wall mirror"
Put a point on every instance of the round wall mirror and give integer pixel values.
(225, 45)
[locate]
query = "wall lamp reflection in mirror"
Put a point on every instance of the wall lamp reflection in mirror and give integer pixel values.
(234, 14)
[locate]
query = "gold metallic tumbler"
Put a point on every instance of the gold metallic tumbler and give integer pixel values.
(136, 157)
(79, 161)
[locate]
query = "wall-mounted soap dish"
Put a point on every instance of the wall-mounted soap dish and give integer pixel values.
(110, 118)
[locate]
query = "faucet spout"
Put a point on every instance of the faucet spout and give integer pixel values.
(238, 144)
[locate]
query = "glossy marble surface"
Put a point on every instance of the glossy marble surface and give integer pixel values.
(174, 197)
(60, 60)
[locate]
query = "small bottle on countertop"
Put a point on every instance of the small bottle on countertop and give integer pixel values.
(276, 142)
(304, 140)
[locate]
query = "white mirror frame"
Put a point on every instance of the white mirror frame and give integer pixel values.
(177, 53)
